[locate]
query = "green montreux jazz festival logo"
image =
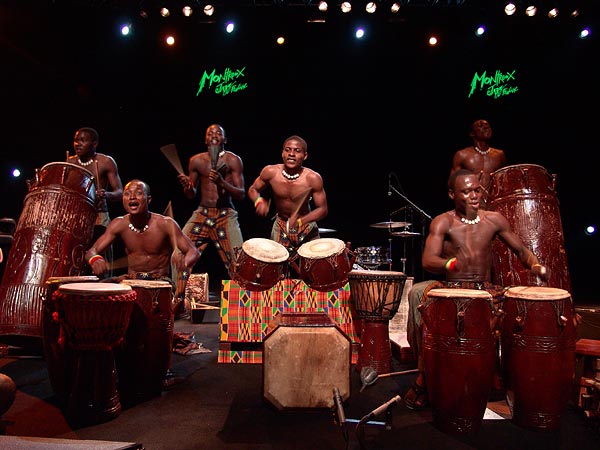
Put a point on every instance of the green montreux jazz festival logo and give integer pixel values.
(228, 82)
(500, 85)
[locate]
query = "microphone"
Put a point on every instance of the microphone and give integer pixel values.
(390, 184)
(383, 407)
(338, 404)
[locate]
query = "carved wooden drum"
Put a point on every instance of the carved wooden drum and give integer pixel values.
(260, 264)
(324, 264)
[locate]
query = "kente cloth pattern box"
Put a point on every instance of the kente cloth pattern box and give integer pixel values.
(247, 317)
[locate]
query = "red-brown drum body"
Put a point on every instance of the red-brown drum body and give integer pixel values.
(57, 352)
(324, 264)
(94, 318)
(260, 264)
(459, 356)
(525, 194)
(53, 232)
(538, 355)
(145, 356)
(376, 296)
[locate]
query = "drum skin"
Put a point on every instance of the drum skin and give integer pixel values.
(376, 296)
(145, 356)
(459, 356)
(525, 194)
(538, 355)
(53, 232)
(326, 271)
(260, 264)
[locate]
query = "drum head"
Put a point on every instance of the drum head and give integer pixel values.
(94, 288)
(265, 250)
(459, 293)
(321, 248)
(366, 274)
(536, 293)
(74, 279)
(150, 284)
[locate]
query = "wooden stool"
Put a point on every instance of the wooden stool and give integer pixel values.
(588, 391)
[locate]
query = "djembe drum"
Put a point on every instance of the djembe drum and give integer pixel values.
(94, 318)
(459, 356)
(376, 296)
(538, 355)
(324, 264)
(145, 356)
(57, 353)
(52, 235)
(260, 264)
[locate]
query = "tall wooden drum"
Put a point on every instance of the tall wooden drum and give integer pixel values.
(459, 356)
(525, 194)
(94, 318)
(376, 295)
(53, 233)
(538, 355)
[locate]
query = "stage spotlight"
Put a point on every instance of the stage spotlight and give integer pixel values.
(553, 13)
(395, 7)
(230, 27)
(170, 40)
(359, 33)
(323, 6)
(187, 11)
(584, 33)
(280, 40)
(346, 7)
(480, 31)
(432, 41)
(531, 11)
(590, 230)
(510, 9)
(126, 29)
(165, 12)
(371, 7)
(209, 9)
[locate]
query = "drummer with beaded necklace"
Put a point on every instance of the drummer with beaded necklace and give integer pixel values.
(293, 186)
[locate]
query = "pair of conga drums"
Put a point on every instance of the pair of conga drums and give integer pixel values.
(323, 264)
(537, 342)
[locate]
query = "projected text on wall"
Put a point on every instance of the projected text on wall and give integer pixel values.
(229, 81)
(499, 85)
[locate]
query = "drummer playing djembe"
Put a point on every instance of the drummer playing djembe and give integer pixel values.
(293, 186)
(459, 245)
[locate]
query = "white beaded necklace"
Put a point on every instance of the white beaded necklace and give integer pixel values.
(290, 177)
(470, 221)
(137, 230)
(85, 164)
(481, 152)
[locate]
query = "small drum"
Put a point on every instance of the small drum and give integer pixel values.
(376, 295)
(58, 355)
(538, 355)
(459, 356)
(94, 317)
(372, 257)
(145, 356)
(260, 264)
(324, 264)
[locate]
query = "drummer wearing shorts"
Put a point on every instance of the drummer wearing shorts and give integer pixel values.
(293, 187)
(459, 246)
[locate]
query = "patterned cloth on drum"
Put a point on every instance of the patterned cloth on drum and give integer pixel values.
(525, 194)
(46, 244)
(94, 317)
(459, 356)
(57, 352)
(538, 355)
(324, 264)
(145, 356)
(376, 296)
(260, 264)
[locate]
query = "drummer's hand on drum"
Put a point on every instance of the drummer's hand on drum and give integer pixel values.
(98, 264)
(541, 271)
(261, 206)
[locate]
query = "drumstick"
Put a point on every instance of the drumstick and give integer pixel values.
(306, 194)
(169, 211)
(67, 156)
(97, 176)
(120, 263)
(170, 151)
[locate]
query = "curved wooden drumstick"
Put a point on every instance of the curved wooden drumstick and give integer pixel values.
(170, 151)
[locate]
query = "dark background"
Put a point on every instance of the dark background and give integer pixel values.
(389, 104)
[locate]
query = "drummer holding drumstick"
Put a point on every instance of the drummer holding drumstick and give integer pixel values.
(106, 175)
(293, 186)
(459, 246)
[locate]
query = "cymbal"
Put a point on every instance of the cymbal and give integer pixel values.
(326, 230)
(390, 224)
(404, 234)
